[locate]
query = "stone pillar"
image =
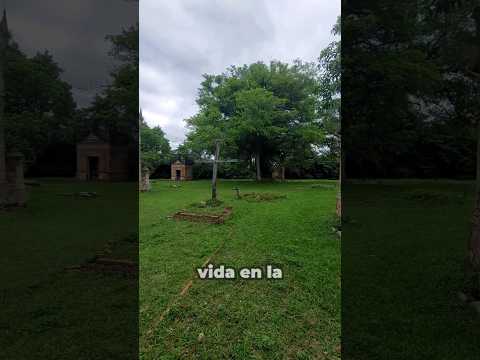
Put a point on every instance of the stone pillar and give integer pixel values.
(17, 193)
(3, 173)
(145, 181)
(3, 167)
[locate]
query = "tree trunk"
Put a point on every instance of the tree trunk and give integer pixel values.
(473, 256)
(258, 166)
(472, 263)
(214, 175)
(477, 179)
(341, 177)
(473, 253)
(139, 154)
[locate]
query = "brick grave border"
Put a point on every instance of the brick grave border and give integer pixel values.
(204, 218)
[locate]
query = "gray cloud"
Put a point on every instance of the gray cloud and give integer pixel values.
(74, 33)
(183, 39)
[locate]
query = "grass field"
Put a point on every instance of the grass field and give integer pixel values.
(297, 317)
(48, 313)
(402, 265)
(403, 245)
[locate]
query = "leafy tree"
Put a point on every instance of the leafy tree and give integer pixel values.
(329, 64)
(154, 146)
(115, 111)
(421, 60)
(460, 57)
(261, 112)
(39, 107)
(257, 123)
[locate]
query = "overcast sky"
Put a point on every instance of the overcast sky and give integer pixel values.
(181, 40)
(73, 31)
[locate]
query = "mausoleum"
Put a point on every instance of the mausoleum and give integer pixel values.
(182, 170)
(97, 159)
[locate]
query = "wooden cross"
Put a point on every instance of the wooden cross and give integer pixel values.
(216, 160)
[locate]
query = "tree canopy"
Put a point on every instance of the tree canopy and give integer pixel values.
(416, 58)
(266, 114)
(41, 116)
(39, 106)
(115, 110)
(154, 146)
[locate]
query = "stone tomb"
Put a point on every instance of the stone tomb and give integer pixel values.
(181, 170)
(99, 160)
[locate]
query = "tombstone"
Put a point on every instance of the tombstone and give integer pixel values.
(145, 181)
(12, 182)
(4, 187)
(13, 191)
(278, 173)
(3, 177)
(17, 193)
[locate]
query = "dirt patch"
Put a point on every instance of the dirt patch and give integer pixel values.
(107, 265)
(204, 217)
(260, 197)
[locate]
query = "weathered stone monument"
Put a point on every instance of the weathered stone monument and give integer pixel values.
(3, 164)
(278, 173)
(12, 184)
(145, 180)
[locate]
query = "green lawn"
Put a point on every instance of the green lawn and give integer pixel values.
(402, 266)
(48, 313)
(294, 318)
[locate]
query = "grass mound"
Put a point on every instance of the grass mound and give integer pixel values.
(207, 206)
(260, 197)
(210, 211)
